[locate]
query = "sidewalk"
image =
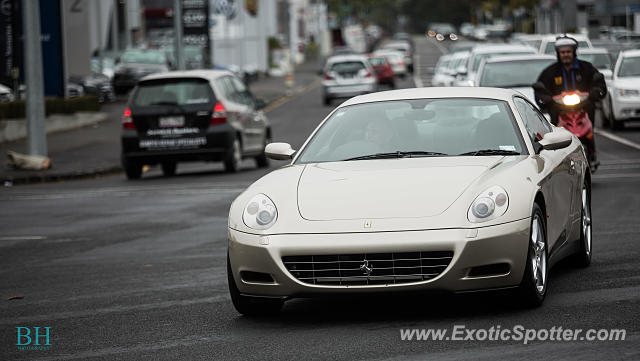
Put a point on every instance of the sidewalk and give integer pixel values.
(95, 150)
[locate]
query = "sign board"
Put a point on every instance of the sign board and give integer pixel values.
(195, 24)
(9, 40)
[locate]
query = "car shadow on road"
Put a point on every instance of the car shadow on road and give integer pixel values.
(405, 308)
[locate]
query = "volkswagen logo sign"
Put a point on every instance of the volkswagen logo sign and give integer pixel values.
(226, 8)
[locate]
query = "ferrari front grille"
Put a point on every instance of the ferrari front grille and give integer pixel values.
(368, 268)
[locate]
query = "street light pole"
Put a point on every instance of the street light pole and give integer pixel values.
(177, 36)
(36, 133)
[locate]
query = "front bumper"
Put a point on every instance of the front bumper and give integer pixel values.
(626, 108)
(472, 248)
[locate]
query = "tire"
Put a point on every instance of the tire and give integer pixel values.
(393, 85)
(583, 257)
(169, 168)
(262, 161)
(326, 100)
(533, 288)
(234, 157)
(251, 306)
(615, 124)
(132, 169)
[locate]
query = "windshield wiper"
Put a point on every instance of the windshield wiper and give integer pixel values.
(491, 152)
(398, 154)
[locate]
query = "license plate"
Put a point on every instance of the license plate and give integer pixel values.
(167, 122)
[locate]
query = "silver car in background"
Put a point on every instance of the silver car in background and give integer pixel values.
(515, 72)
(346, 76)
(404, 47)
(466, 76)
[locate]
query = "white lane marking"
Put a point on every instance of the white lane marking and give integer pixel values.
(616, 175)
(619, 161)
(416, 72)
(22, 238)
(618, 139)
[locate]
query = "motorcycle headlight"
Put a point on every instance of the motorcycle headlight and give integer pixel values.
(490, 204)
(571, 99)
(628, 92)
(260, 213)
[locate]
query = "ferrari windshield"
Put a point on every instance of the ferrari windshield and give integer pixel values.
(416, 128)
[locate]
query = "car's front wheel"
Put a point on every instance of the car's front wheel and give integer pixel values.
(583, 258)
(248, 305)
(533, 287)
(615, 124)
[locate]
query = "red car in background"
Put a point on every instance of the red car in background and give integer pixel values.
(383, 70)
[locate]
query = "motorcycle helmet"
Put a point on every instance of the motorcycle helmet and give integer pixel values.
(562, 41)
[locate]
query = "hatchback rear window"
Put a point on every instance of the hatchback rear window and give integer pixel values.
(348, 67)
(173, 92)
(377, 61)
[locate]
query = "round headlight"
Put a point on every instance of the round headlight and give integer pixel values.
(260, 213)
(491, 203)
(483, 207)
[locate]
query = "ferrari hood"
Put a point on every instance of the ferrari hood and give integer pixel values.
(387, 188)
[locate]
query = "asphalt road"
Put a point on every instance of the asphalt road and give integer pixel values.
(136, 270)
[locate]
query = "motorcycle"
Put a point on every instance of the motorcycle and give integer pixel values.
(576, 120)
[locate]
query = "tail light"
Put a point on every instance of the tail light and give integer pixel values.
(401, 63)
(368, 74)
(327, 76)
(219, 115)
(127, 121)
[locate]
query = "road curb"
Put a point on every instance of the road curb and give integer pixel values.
(57, 177)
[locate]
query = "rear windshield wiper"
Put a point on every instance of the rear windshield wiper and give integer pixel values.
(164, 102)
(398, 154)
(492, 152)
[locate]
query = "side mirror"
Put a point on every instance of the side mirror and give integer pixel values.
(557, 139)
(279, 151)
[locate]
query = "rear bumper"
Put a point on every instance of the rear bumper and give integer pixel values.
(345, 91)
(219, 143)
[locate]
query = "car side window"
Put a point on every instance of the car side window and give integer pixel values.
(242, 92)
(225, 86)
(536, 124)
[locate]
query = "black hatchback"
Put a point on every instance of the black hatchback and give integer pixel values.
(192, 116)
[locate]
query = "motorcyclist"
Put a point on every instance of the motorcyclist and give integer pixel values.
(567, 74)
